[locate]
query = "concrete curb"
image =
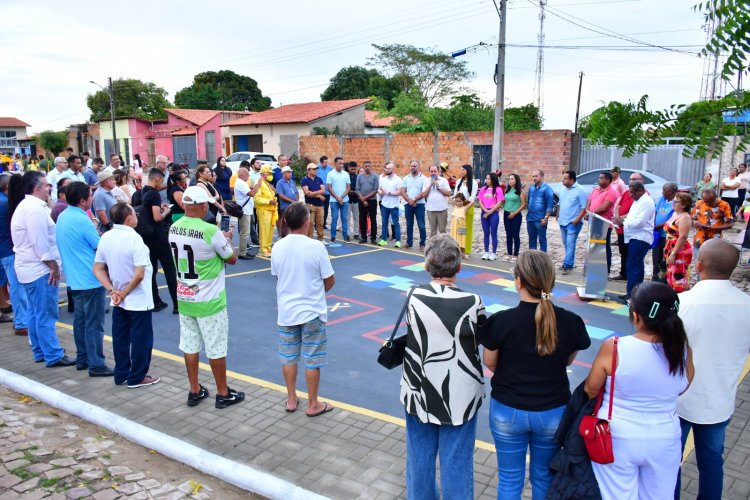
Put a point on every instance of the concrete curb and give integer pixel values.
(234, 473)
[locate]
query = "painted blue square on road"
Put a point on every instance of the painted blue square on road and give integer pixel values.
(598, 333)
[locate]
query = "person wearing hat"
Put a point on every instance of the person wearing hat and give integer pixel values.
(287, 192)
(314, 190)
(265, 206)
(104, 199)
(201, 251)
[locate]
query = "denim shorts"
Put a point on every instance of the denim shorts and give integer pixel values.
(309, 339)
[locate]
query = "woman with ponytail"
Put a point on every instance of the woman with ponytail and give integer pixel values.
(529, 348)
(654, 366)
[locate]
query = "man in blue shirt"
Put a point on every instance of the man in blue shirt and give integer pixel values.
(77, 241)
(323, 170)
(664, 211)
(570, 217)
(18, 296)
(287, 192)
(540, 205)
(338, 185)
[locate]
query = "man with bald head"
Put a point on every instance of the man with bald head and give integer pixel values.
(714, 313)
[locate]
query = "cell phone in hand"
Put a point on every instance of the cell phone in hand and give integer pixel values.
(225, 223)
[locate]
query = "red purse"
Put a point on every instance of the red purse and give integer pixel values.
(595, 430)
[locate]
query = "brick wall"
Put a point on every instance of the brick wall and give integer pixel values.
(525, 151)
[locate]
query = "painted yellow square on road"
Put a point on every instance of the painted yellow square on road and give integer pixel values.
(501, 282)
(369, 277)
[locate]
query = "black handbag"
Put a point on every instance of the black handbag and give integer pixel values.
(391, 353)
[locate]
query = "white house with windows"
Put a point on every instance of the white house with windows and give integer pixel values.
(13, 138)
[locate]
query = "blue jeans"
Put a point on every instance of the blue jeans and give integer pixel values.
(709, 453)
(489, 227)
(42, 320)
(409, 213)
(88, 328)
(569, 233)
(537, 231)
(512, 232)
(514, 432)
(17, 294)
(637, 251)
(341, 209)
(132, 340)
(455, 443)
(392, 214)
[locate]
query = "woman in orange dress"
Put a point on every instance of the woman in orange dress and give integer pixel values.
(678, 252)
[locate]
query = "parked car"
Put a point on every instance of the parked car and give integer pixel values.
(589, 180)
(234, 160)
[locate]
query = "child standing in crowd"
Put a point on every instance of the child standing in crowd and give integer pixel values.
(458, 222)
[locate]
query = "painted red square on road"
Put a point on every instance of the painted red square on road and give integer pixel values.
(341, 309)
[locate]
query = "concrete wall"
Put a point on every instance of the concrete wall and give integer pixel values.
(351, 121)
(271, 134)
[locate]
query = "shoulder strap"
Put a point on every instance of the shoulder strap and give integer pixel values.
(599, 398)
(401, 314)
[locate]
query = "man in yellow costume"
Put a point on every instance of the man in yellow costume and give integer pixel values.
(265, 206)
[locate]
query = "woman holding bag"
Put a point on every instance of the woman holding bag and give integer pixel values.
(653, 367)
(442, 384)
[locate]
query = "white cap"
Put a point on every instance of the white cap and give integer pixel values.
(195, 195)
(286, 169)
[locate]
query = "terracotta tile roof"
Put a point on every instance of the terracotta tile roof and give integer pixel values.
(196, 116)
(184, 131)
(371, 119)
(298, 113)
(7, 121)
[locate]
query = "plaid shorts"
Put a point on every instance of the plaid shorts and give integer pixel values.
(213, 331)
(309, 338)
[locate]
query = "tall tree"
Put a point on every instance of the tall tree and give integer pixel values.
(223, 89)
(635, 127)
(53, 141)
(434, 74)
(356, 82)
(132, 98)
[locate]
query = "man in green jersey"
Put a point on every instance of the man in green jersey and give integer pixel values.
(200, 251)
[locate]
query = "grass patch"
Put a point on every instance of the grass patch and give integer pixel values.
(28, 456)
(107, 456)
(78, 472)
(49, 483)
(34, 447)
(22, 473)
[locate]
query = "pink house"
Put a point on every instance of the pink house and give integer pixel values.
(184, 137)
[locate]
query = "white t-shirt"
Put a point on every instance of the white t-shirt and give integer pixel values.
(437, 201)
(730, 193)
(122, 249)
(391, 185)
(300, 264)
(241, 196)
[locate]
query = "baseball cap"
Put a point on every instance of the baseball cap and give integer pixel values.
(311, 166)
(103, 176)
(195, 195)
(286, 169)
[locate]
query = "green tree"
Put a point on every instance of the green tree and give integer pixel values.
(434, 74)
(356, 82)
(132, 98)
(53, 141)
(225, 90)
(635, 127)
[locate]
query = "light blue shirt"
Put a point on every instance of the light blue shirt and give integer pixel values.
(323, 174)
(572, 201)
(77, 241)
(338, 182)
(73, 176)
(415, 186)
(664, 210)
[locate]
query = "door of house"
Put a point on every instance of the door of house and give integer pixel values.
(184, 150)
(482, 162)
(255, 143)
(210, 140)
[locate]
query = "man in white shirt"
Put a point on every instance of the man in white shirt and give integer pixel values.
(714, 313)
(243, 195)
(38, 269)
(639, 233)
(437, 191)
(54, 175)
(412, 193)
(123, 267)
(304, 274)
(390, 187)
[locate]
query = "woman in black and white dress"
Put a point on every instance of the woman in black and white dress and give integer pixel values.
(442, 385)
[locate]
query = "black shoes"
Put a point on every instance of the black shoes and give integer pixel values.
(106, 372)
(245, 257)
(80, 368)
(64, 361)
(194, 398)
(160, 307)
(232, 398)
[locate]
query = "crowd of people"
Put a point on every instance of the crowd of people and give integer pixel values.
(108, 228)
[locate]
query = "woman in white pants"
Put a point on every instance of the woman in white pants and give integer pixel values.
(654, 366)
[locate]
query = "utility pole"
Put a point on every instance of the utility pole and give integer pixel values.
(497, 141)
(578, 105)
(112, 112)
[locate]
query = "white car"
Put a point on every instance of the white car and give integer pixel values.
(234, 160)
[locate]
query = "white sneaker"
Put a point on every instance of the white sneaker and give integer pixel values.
(493, 256)
(325, 243)
(486, 256)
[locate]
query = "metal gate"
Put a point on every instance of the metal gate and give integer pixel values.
(482, 162)
(665, 161)
(184, 150)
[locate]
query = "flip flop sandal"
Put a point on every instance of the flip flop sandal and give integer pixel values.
(326, 409)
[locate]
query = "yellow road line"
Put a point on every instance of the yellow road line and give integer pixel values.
(482, 445)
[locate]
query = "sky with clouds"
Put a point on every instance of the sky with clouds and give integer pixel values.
(51, 49)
